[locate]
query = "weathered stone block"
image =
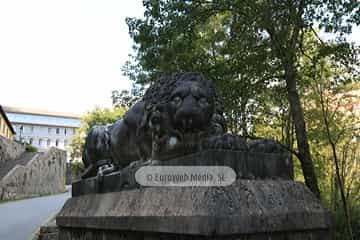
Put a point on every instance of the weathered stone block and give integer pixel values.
(247, 209)
(245, 164)
(87, 234)
(263, 203)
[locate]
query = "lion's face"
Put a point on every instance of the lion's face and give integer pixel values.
(191, 107)
(180, 113)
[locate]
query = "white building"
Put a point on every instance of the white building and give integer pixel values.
(43, 129)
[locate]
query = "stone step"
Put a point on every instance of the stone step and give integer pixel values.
(5, 167)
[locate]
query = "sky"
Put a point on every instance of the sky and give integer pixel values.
(66, 55)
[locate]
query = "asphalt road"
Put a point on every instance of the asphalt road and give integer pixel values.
(20, 219)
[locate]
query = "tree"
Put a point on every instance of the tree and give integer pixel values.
(76, 147)
(237, 70)
(125, 98)
(252, 43)
(330, 83)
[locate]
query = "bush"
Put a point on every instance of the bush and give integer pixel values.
(341, 232)
(77, 167)
(30, 148)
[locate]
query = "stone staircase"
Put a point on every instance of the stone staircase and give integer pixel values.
(5, 167)
(33, 174)
(9, 150)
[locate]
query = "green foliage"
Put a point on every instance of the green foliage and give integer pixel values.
(30, 148)
(258, 53)
(77, 167)
(339, 222)
(243, 46)
(126, 99)
(217, 45)
(77, 146)
(99, 116)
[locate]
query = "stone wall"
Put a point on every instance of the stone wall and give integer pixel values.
(9, 150)
(43, 174)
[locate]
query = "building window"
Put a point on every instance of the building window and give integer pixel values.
(32, 129)
(31, 140)
(49, 130)
(57, 142)
(48, 142)
(21, 132)
(73, 131)
(65, 131)
(40, 142)
(57, 131)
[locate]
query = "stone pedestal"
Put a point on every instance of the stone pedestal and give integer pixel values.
(251, 209)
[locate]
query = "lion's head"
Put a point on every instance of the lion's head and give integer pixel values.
(182, 109)
(191, 106)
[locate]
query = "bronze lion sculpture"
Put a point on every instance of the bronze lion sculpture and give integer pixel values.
(175, 113)
(178, 115)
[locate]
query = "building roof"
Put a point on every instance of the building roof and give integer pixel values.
(40, 112)
(2, 112)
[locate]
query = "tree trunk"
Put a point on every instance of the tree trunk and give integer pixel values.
(300, 130)
(339, 178)
(340, 183)
(285, 50)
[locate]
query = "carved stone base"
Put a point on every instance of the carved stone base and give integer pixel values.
(86, 234)
(245, 164)
(248, 209)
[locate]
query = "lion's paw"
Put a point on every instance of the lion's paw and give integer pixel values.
(226, 142)
(266, 146)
